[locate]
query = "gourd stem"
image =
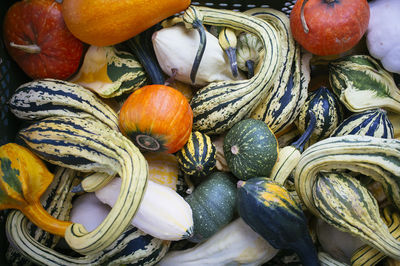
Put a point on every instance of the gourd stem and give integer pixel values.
(299, 144)
(146, 58)
(250, 68)
(200, 51)
(231, 52)
(41, 218)
(302, 18)
(28, 48)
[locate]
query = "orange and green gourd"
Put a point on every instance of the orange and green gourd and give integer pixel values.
(24, 178)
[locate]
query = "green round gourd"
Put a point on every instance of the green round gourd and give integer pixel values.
(198, 155)
(250, 149)
(213, 204)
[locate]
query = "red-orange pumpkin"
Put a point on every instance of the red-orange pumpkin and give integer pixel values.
(157, 118)
(329, 27)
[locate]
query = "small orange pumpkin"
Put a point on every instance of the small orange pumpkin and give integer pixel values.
(157, 118)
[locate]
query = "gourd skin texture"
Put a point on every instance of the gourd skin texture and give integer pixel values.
(383, 38)
(213, 204)
(250, 149)
(157, 118)
(268, 209)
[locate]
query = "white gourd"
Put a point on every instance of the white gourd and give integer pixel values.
(176, 47)
(162, 213)
(235, 244)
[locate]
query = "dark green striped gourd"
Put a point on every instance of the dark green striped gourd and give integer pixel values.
(220, 105)
(213, 204)
(49, 97)
(361, 84)
(198, 155)
(250, 149)
(89, 145)
(269, 209)
(343, 202)
(376, 158)
(327, 110)
(374, 123)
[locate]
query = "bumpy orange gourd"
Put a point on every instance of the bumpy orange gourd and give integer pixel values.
(157, 118)
(108, 22)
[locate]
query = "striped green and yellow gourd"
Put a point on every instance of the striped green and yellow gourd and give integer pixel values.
(198, 155)
(219, 105)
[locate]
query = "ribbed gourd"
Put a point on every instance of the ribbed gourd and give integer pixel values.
(328, 112)
(269, 210)
(342, 201)
(248, 52)
(109, 72)
(89, 145)
(50, 97)
(220, 105)
(361, 83)
(236, 243)
(250, 149)
(198, 155)
(368, 255)
(281, 106)
(213, 204)
(376, 158)
(374, 123)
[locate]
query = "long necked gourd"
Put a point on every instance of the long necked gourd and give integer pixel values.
(89, 145)
(219, 105)
(374, 157)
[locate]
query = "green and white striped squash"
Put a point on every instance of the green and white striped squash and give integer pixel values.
(376, 158)
(50, 97)
(361, 84)
(89, 145)
(269, 209)
(109, 72)
(328, 112)
(374, 123)
(220, 105)
(213, 204)
(198, 156)
(343, 202)
(248, 52)
(367, 255)
(250, 149)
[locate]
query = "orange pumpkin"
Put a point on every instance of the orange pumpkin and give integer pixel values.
(108, 22)
(157, 118)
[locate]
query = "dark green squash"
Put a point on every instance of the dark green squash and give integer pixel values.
(250, 149)
(269, 209)
(198, 155)
(213, 204)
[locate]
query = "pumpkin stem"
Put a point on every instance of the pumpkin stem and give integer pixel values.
(28, 48)
(302, 18)
(41, 218)
(235, 149)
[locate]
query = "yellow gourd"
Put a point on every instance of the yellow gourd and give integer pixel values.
(163, 168)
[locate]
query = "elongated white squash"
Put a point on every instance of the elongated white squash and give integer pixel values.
(162, 213)
(235, 244)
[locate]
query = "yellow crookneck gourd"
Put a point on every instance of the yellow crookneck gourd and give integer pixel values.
(24, 178)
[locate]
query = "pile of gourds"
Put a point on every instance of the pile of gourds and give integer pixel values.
(216, 149)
